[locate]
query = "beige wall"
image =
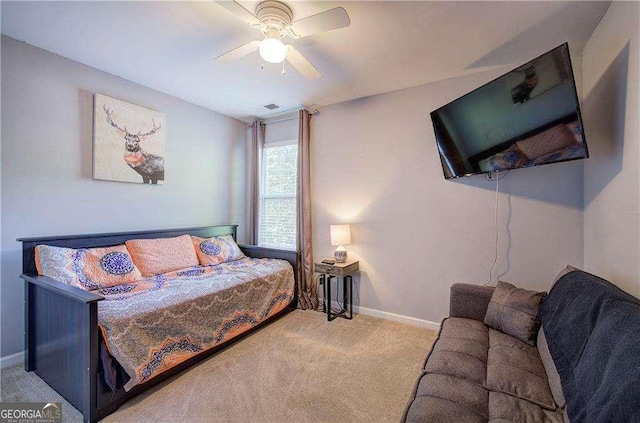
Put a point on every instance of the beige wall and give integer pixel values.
(47, 112)
(612, 174)
(375, 165)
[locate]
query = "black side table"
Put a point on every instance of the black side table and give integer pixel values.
(338, 270)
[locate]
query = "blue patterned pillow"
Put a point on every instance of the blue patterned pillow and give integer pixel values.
(510, 158)
(87, 268)
(216, 250)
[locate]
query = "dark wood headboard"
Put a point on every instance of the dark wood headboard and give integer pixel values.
(110, 239)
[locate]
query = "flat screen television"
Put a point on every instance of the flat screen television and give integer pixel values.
(527, 117)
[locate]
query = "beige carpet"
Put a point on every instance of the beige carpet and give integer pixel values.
(300, 368)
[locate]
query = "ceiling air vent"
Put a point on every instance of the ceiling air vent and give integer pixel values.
(271, 106)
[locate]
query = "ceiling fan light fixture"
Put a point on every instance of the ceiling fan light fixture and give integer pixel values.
(272, 50)
(275, 19)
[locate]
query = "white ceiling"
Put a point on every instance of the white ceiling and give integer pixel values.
(170, 46)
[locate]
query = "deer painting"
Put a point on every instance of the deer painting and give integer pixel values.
(149, 166)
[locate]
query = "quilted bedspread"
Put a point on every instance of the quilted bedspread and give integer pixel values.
(156, 323)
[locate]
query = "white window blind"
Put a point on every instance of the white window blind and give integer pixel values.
(278, 195)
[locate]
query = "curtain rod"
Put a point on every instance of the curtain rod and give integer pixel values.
(283, 119)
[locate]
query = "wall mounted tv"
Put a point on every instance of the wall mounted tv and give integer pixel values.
(527, 117)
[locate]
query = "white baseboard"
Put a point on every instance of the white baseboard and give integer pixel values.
(414, 321)
(11, 360)
(397, 317)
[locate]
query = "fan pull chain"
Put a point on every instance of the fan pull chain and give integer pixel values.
(283, 71)
(262, 65)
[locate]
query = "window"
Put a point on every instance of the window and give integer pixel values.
(278, 195)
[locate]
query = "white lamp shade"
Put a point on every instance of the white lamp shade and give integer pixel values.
(340, 234)
(272, 50)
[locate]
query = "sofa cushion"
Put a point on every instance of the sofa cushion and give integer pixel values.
(468, 347)
(162, 255)
(457, 364)
(514, 311)
(463, 392)
(461, 328)
(447, 398)
(515, 368)
(431, 409)
(463, 352)
(506, 408)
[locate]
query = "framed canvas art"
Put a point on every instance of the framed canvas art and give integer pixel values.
(128, 142)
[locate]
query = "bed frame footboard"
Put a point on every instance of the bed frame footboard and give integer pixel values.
(61, 339)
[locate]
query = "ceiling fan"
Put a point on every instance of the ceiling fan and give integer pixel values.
(275, 20)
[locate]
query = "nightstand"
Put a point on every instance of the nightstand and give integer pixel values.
(338, 270)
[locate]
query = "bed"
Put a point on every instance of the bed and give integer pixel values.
(87, 344)
(560, 140)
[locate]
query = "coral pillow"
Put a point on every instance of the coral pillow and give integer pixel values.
(162, 255)
(87, 268)
(576, 130)
(216, 250)
(553, 139)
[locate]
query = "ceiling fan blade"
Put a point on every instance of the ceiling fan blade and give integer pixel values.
(237, 9)
(301, 64)
(321, 22)
(238, 52)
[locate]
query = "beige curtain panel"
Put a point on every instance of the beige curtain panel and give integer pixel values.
(307, 293)
(258, 130)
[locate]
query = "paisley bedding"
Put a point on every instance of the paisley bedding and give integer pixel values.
(154, 324)
(558, 143)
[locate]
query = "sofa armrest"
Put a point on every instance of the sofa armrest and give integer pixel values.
(469, 301)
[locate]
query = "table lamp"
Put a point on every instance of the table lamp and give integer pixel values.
(340, 236)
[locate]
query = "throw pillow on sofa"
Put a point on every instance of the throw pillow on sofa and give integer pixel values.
(216, 250)
(162, 255)
(514, 311)
(87, 268)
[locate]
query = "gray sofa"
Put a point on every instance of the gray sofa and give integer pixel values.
(475, 373)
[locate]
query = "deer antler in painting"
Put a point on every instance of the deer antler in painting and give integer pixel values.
(111, 122)
(153, 131)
